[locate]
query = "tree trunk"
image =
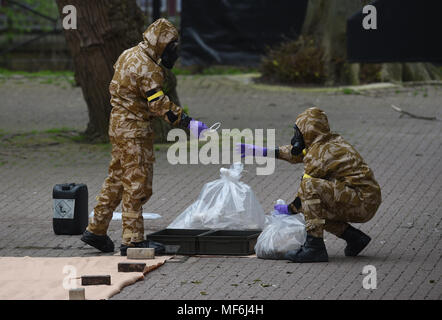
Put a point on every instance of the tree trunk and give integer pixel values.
(398, 72)
(326, 21)
(105, 28)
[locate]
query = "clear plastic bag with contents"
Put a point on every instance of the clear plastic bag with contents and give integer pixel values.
(226, 203)
(281, 233)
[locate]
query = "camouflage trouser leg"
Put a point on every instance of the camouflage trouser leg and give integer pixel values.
(137, 165)
(110, 195)
(330, 206)
(130, 180)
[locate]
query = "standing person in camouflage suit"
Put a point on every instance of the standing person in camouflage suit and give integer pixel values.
(137, 97)
(337, 187)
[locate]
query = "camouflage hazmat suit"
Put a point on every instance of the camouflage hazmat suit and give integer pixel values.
(136, 97)
(337, 187)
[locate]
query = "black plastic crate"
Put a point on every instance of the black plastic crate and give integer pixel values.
(228, 242)
(185, 238)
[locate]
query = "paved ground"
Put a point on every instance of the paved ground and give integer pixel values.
(404, 153)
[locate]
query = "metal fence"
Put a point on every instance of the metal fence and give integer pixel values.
(31, 36)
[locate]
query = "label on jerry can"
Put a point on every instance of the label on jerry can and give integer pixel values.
(64, 208)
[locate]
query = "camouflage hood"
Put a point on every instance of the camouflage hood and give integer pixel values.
(313, 124)
(157, 36)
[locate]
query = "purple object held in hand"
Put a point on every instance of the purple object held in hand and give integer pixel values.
(250, 150)
(282, 208)
(196, 127)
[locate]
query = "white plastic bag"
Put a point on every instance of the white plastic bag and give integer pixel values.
(226, 203)
(282, 233)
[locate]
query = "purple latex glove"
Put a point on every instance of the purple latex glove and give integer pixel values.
(250, 150)
(196, 127)
(282, 208)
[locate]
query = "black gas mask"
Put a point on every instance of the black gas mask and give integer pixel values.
(297, 142)
(170, 54)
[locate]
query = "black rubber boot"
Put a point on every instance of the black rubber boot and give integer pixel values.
(356, 241)
(313, 250)
(159, 248)
(102, 243)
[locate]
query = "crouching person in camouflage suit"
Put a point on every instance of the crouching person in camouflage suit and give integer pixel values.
(337, 187)
(136, 97)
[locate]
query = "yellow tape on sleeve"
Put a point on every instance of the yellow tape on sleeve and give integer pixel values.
(156, 95)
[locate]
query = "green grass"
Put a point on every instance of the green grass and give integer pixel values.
(50, 77)
(104, 146)
(45, 77)
(349, 91)
(47, 81)
(44, 73)
(47, 137)
(227, 70)
(53, 139)
(181, 71)
(80, 138)
(57, 130)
